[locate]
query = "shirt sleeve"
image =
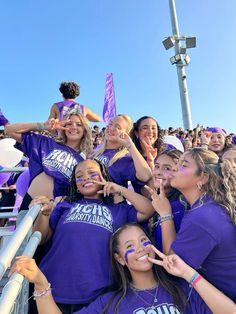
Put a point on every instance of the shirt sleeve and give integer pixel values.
(193, 244)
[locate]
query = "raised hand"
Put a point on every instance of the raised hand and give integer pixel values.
(205, 138)
(160, 202)
(173, 264)
(109, 188)
(151, 152)
(27, 267)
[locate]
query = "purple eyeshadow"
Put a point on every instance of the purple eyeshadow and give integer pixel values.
(146, 243)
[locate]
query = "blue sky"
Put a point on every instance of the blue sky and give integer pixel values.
(46, 42)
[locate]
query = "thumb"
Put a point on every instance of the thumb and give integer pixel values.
(162, 190)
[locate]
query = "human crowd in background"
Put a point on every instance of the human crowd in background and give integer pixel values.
(134, 218)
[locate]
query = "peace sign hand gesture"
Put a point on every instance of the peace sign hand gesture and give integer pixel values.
(109, 188)
(151, 152)
(173, 264)
(160, 202)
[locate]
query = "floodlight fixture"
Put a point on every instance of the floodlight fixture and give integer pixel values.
(168, 42)
(187, 59)
(190, 42)
(182, 50)
(176, 59)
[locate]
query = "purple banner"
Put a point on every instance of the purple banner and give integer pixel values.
(109, 109)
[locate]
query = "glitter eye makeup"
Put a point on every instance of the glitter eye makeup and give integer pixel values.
(127, 253)
(79, 180)
(93, 175)
(146, 243)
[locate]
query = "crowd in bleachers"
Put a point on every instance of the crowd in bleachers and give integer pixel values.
(108, 195)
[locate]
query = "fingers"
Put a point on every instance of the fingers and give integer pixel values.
(162, 191)
(159, 253)
(155, 261)
(150, 190)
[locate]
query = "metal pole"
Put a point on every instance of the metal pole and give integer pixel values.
(12, 288)
(183, 89)
(8, 251)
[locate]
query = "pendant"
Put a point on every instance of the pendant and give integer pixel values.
(155, 300)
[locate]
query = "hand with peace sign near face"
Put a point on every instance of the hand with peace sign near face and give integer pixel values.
(159, 201)
(173, 264)
(214, 298)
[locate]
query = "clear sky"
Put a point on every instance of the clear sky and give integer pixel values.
(45, 42)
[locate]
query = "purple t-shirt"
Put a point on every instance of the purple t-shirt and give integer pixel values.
(64, 106)
(207, 241)
(55, 159)
(77, 264)
(142, 302)
(178, 209)
(122, 170)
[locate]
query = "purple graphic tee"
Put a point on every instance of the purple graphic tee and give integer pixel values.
(77, 264)
(55, 159)
(206, 241)
(64, 106)
(143, 302)
(122, 170)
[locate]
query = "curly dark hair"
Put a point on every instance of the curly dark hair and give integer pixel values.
(135, 139)
(69, 90)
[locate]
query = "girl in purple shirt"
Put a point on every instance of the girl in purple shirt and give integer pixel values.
(120, 155)
(207, 235)
(141, 282)
(80, 228)
(51, 161)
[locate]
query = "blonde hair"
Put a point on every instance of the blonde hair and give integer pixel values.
(123, 150)
(86, 141)
(221, 185)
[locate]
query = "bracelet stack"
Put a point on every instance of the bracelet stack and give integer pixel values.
(44, 293)
(195, 278)
(165, 218)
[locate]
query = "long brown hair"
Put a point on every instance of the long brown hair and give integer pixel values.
(122, 278)
(221, 185)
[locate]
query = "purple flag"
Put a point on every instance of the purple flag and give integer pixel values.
(109, 109)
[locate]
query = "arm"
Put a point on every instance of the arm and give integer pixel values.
(214, 298)
(90, 115)
(142, 204)
(42, 222)
(27, 267)
(162, 206)
(54, 112)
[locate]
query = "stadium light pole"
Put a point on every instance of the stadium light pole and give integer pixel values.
(181, 59)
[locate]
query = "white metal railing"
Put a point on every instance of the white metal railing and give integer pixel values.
(8, 251)
(13, 287)
(14, 169)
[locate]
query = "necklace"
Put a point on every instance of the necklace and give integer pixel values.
(155, 300)
(90, 201)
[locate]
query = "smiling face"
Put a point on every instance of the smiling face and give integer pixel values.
(163, 170)
(74, 129)
(86, 173)
(115, 127)
(217, 142)
(134, 249)
(148, 130)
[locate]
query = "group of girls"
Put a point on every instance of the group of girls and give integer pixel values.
(193, 196)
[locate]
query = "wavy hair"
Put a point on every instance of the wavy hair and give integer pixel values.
(122, 279)
(221, 185)
(159, 141)
(122, 150)
(86, 141)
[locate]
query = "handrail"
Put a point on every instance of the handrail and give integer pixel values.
(14, 242)
(14, 169)
(12, 288)
(8, 215)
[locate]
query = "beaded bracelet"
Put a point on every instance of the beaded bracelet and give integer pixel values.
(44, 293)
(165, 218)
